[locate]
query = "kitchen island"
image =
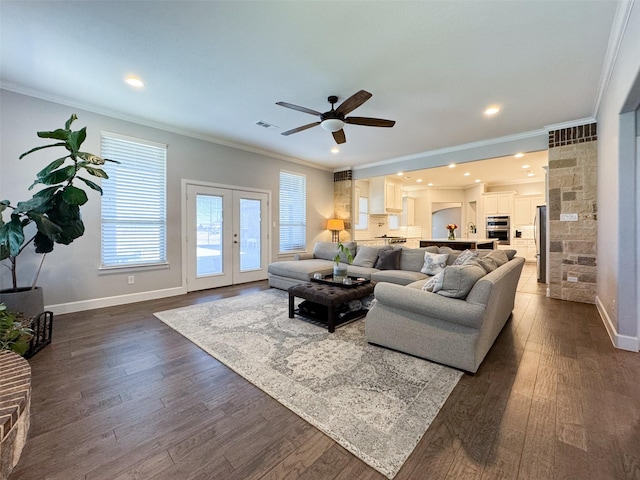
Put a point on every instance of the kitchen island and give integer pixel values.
(461, 243)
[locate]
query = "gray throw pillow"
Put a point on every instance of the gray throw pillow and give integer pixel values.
(325, 250)
(412, 259)
(434, 263)
(486, 263)
(499, 256)
(458, 280)
(388, 260)
(367, 256)
(464, 256)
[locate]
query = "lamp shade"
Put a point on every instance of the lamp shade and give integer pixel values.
(332, 124)
(335, 224)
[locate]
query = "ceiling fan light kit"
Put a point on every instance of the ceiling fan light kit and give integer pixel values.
(334, 120)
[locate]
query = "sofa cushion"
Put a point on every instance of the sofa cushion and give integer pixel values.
(453, 254)
(458, 280)
(486, 263)
(399, 277)
(300, 270)
(499, 256)
(413, 258)
(356, 271)
(434, 263)
(388, 260)
(464, 256)
(367, 256)
(328, 250)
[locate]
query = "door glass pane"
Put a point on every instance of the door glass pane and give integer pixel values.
(249, 234)
(209, 235)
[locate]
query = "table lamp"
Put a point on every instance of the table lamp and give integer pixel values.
(335, 225)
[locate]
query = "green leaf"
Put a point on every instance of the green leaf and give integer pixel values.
(49, 168)
(74, 195)
(31, 204)
(43, 243)
(75, 140)
(68, 123)
(58, 176)
(40, 148)
(12, 235)
(96, 172)
(58, 134)
(92, 185)
(46, 193)
(45, 226)
(91, 158)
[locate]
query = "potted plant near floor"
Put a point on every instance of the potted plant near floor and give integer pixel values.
(14, 335)
(340, 271)
(51, 216)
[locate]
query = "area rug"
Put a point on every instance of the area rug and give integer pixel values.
(375, 402)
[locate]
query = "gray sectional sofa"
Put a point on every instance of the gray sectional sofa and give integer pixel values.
(446, 306)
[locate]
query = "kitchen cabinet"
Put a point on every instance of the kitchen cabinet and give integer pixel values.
(408, 212)
(498, 203)
(385, 196)
(525, 247)
(524, 210)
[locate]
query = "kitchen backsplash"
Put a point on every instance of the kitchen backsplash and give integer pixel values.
(379, 226)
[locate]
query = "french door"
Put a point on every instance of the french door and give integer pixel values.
(227, 236)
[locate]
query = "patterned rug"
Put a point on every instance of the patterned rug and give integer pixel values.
(375, 402)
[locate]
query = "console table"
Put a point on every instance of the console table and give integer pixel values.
(461, 243)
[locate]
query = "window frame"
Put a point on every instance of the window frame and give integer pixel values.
(157, 225)
(285, 223)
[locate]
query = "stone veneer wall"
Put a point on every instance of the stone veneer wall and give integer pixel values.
(343, 200)
(572, 189)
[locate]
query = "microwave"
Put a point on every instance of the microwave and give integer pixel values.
(498, 222)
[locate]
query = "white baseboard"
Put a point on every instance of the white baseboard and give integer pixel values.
(113, 301)
(623, 342)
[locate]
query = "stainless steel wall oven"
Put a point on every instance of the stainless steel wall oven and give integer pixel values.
(499, 228)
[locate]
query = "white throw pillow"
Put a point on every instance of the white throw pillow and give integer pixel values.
(434, 263)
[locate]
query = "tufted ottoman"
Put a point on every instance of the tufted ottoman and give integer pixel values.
(332, 297)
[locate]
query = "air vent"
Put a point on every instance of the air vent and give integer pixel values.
(266, 125)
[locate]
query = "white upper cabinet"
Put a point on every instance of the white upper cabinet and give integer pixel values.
(498, 203)
(525, 209)
(385, 196)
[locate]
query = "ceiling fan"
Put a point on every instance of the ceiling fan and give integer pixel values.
(333, 120)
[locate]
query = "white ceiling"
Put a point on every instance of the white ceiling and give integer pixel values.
(213, 69)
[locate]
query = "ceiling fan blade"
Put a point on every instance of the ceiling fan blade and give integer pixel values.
(370, 122)
(339, 137)
(300, 109)
(299, 129)
(353, 102)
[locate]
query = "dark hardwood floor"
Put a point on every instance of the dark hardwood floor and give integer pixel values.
(119, 395)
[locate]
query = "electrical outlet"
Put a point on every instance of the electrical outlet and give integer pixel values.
(131, 279)
(572, 279)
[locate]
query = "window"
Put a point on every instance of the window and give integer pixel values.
(363, 213)
(134, 226)
(293, 212)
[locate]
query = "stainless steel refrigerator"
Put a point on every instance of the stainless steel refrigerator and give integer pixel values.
(540, 234)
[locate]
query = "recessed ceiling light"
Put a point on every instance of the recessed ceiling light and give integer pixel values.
(491, 111)
(335, 150)
(418, 180)
(429, 184)
(530, 174)
(452, 165)
(477, 180)
(519, 155)
(526, 166)
(467, 174)
(399, 174)
(134, 81)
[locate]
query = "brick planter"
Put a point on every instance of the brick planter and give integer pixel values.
(15, 401)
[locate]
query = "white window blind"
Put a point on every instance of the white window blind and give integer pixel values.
(134, 226)
(293, 212)
(363, 213)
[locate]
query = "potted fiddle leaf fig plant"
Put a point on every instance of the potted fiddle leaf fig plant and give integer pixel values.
(340, 271)
(51, 216)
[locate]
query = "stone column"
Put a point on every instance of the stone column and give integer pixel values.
(572, 190)
(343, 201)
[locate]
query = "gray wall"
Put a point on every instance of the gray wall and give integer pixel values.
(70, 273)
(618, 184)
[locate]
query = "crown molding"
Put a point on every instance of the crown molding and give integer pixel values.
(620, 22)
(19, 89)
(570, 124)
(457, 148)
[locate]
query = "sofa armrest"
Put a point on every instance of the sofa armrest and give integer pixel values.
(430, 304)
(303, 256)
